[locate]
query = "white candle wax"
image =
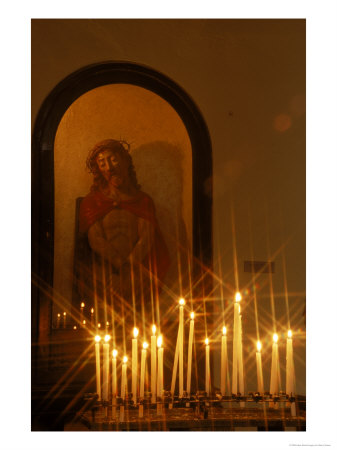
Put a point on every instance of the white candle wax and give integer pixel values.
(58, 320)
(160, 372)
(260, 387)
(235, 349)
(114, 374)
(175, 365)
(153, 368)
(98, 370)
(240, 357)
(207, 369)
(64, 319)
(189, 356)
(181, 347)
(134, 365)
(142, 372)
(124, 379)
(289, 367)
(81, 314)
(274, 369)
(105, 386)
(223, 362)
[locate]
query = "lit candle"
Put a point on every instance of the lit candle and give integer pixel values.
(153, 364)
(58, 320)
(124, 377)
(274, 385)
(207, 368)
(142, 370)
(98, 325)
(75, 327)
(181, 347)
(290, 366)
(98, 367)
(64, 319)
(223, 360)
(134, 366)
(82, 309)
(235, 342)
(114, 373)
(84, 322)
(92, 316)
(106, 352)
(160, 383)
(260, 387)
(175, 367)
(240, 358)
(189, 356)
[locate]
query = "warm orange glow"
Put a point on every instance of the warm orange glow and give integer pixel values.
(107, 337)
(145, 345)
(154, 329)
(97, 338)
(84, 322)
(135, 332)
(160, 341)
(114, 353)
(206, 341)
(275, 337)
(58, 315)
(125, 359)
(64, 313)
(258, 346)
(182, 302)
(224, 330)
(192, 315)
(82, 305)
(99, 325)
(290, 334)
(107, 324)
(238, 297)
(92, 310)
(239, 309)
(75, 327)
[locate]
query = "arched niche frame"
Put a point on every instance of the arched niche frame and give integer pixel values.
(47, 122)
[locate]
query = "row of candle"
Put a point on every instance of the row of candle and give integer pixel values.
(157, 371)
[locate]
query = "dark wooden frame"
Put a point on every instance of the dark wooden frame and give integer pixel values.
(50, 114)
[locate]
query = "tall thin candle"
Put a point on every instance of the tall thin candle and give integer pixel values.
(106, 353)
(114, 373)
(124, 377)
(260, 387)
(235, 343)
(64, 319)
(224, 362)
(134, 364)
(98, 366)
(240, 358)
(189, 356)
(82, 311)
(207, 368)
(142, 370)
(153, 364)
(181, 347)
(274, 382)
(289, 365)
(160, 384)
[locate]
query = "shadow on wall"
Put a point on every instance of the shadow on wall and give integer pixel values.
(160, 172)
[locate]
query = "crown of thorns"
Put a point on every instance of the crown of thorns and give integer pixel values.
(109, 144)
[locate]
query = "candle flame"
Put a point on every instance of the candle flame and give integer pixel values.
(275, 337)
(238, 297)
(92, 310)
(82, 305)
(114, 353)
(258, 346)
(145, 345)
(97, 338)
(107, 324)
(160, 341)
(107, 337)
(99, 325)
(224, 330)
(154, 329)
(84, 322)
(58, 315)
(135, 332)
(192, 315)
(75, 327)
(64, 313)
(206, 341)
(125, 359)
(290, 333)
(181, 301)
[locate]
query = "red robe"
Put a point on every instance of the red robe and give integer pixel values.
(96, 205)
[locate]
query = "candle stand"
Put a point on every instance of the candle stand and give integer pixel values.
(198, 412)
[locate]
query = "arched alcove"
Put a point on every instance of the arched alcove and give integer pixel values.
(44, 175)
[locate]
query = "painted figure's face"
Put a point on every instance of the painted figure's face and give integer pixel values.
(113, 167)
